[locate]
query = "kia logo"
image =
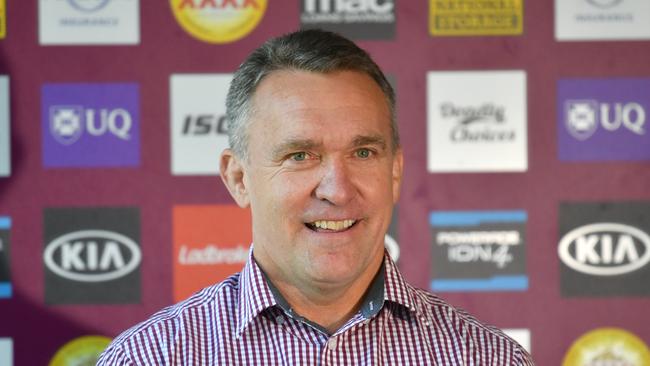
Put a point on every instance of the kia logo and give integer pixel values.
(605, 249)
(92, 256)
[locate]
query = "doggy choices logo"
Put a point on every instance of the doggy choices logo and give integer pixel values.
(479, 251)
(356, 19)
(90, 125)
(604, 249)
(603, 119)
(92, 255)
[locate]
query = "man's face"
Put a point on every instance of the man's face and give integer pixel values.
(321, 177)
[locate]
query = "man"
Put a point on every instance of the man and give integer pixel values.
(315, 153)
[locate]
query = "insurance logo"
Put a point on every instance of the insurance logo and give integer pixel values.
(477, 131)
(601, 20)
(198, 122)
(356, 19)
(218, 21)
(5, 131)
(5, 269)
(90, 125)
(80, 351)
(608, 346)
(475, 17)
(604, 248)
(603, 119)
(479, 251)
(89, 22)
(6, 351)
(211, 242)
(92, 255)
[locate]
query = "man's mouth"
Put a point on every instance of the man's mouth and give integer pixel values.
(331, 225)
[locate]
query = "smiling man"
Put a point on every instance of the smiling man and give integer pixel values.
(315, 154)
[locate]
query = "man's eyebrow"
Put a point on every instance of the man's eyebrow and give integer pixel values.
(295, 145)
(376, 140)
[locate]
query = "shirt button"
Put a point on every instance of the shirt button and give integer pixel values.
(332, 343)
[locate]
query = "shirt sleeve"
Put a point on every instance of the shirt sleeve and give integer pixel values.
(523, 358)
(114, 356)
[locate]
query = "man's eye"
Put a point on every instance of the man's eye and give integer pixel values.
(299, 156)
(363, 153)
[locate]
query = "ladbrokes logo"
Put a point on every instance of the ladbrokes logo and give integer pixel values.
(92, 255)
(218, 21)
(603, 119)
(483, 123)
(91, 125)
(198, 122)
(479, 251)
(605, 248)
(5, 272)
(475, 17)
(608, 347)
(210, 243)
(358, 19)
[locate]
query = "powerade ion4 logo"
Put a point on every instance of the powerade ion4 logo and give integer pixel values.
(357, 19)
(604, 248)
(92, 255)
(218, 21)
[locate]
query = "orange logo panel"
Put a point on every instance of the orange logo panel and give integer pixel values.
(211, 242)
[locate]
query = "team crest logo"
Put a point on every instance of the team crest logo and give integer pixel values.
(581, 121)
(66, 123)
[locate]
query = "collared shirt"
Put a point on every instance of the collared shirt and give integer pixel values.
(240, 322)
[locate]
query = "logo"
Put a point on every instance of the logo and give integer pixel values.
(88, 125)
(5, 272)
(6, 352)
(3, 19)
(5, 135)
(89, 22)
(479, 251)
(603, 119)
(357, 19)
(92, 255)
(80, 351)
(481, 131)
(604, 248)
(198, 122)
(475, 17)
(601, 20)
(211, 242)
(608, 346)
(521, 336)
(218, 21)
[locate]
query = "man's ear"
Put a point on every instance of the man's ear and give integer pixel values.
(232, 174)
(398, 170)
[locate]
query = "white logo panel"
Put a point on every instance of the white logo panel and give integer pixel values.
(477, 121)
(602, 19)
(198, 122)
(522, 336)
(5, 131)
(6, 352)
(86, 22)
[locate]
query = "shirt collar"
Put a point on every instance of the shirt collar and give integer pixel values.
(254, 293)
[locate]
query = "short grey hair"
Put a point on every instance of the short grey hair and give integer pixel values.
(306, 50)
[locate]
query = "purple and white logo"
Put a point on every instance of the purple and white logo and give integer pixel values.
(603, 119)
(87, 125)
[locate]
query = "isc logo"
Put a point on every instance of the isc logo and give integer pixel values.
(67, 123)
(605, 249)
(348, 6)
(584, 116)
(204, 124)
(92, 256)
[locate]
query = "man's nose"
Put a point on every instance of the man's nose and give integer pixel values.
(335, 184)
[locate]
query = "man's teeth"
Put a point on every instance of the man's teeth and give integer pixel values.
(334, 225)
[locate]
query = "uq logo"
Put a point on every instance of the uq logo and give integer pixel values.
(605, 249)
(92, 256)
(67, 123)
(584, 116)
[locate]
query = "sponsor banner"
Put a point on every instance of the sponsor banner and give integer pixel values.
(391, 240)
(80, 351)
(218, 21)
(88, 22)
(356, 19)
(90, 125)
(477, 131)
(5, 131)
(475, 17)
(603, 119)
(608, 346)
(211, 242)
(198, 122)
(5, 270)
(3, 19)
(521, 336)
(6, 352)
(92, 255)
(479, 251)
(604, 249)
(577, 20)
